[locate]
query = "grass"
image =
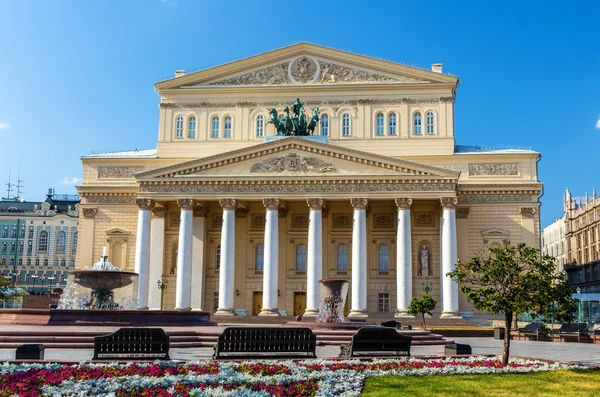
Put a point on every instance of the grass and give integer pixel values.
(585, 383)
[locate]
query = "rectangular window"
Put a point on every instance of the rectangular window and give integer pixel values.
(215, 301)
(215, 127)
(28, 261)
(4, 248)
(384, 303)
(14, 232)
(20, 248)
(227, 132)
(37, 262)
(12, 247)
(22, 233)
(30, 232)
(20, 261)
(12, 260)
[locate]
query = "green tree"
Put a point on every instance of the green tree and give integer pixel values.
(424, 305)
(8, 291)
(512, 280)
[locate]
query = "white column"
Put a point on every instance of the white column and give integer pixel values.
(183, 291)
(157, 246)
(198, 231)
(314, 262)
(359, 259)
(227, 270)
(271, 260)
(449, 257)
(403, 258)
(142, 251)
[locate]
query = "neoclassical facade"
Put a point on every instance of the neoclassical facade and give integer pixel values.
(242, 221)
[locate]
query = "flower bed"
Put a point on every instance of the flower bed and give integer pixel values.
(248, 378)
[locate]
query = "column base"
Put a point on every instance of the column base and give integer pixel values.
(143, 308)
(269, 312)
(225, 312)
(311, 313)
(358, 313)
(450, 315)
(402, 314)
(183, 309)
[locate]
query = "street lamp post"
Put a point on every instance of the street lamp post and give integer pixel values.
(50, 282)
(162, 286)
(43, 279)
(34, 277)
(579, 305)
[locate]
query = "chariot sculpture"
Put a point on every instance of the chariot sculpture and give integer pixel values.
(296, 124)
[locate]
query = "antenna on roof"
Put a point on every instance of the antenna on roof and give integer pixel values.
(19, 185)
(9, 188)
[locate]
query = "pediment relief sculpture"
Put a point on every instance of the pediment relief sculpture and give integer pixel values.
(293, 162)
(307, 70)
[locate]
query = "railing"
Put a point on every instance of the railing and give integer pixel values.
(483, 149)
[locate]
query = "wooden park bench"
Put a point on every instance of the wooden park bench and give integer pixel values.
(132, 344)
(573, 329)
(377, 341)
(531, 329)
(266, 342)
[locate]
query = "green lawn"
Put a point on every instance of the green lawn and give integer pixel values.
(541, 384)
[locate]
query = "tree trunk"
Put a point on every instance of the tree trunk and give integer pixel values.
(516, 323)
(424, 325)
(507, 321)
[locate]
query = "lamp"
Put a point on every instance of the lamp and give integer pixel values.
(237, 292)
(162, 286)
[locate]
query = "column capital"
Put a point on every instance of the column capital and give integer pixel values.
(228, 204)
(403, 203)
(144, 204)
(89, 212)
(186, 204)
(448, 203)
(359, 203)
(159, 212)
(315, 203)
(271, 204)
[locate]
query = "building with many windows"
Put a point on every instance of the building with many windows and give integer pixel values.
(241, 218)
(553, 242)
(38, 240)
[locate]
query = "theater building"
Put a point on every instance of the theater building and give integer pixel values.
(243, 221)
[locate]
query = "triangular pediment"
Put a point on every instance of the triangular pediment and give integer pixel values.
(299, 158)
(495, 232)
(117, 231)
(306, 64)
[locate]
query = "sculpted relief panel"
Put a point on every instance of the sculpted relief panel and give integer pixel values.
(493, 169)
(293, 162)
(118, 172)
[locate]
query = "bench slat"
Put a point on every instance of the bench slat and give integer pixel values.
(295, 342)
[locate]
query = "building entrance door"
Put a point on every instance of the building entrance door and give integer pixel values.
(257, 298)
(299, 303)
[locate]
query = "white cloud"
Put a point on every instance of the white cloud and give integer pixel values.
(598, 124)
(4, 126)
(70, 180)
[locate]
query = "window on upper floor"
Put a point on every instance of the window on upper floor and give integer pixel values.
(346, 124)
(260, 125)
(380, 127)
(5, 231)
(215, 127)
(301, 257)
(192, 127)
(61, 242)
(14, 232)
(30, 232)
(12, 247)
(430, 122)
(392, 123)
(417, 123)
(259, 257)
(21, 245)
(227, 131)
(179, 127)
(74, 245)
(4, 248)
(383, 258)
(342, 257)
(22, 232)
(324, 125)
(43, 241)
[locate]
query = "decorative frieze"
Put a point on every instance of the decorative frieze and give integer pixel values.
(257, 221)
(359, 203)
(292, 162)
(462, 212)
(144, 204)
(186, 204)
(117, 172)
(110, 200)
(315, 203)
(495, 198)
(383, 221)
(493, 169)
(341, 221)
(448, 203)
(424, 219)
(300, 221)
(403, 203)
(271, 204)
(89, 212)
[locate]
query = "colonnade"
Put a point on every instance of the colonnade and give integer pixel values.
(191, 245)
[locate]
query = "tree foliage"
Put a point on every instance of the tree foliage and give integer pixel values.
(8, 291)
(424, 305)
(512, 280)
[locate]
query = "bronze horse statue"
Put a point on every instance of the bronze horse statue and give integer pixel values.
(310, 128)
(279, 126)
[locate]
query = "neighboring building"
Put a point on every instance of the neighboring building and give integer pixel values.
(582, 227)
(553, 242)
(38, 240)
(240, 220)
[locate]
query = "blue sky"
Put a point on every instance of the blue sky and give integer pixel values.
(77, 76)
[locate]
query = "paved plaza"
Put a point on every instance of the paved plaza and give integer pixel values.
(580, 353)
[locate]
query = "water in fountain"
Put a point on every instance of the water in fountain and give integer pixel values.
(331, 308)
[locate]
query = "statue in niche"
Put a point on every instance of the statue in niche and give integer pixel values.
(424, 257)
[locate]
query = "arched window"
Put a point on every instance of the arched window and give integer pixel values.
(179, 127)
(215, 127)
(342, 257)
(301, 257)
(383, 256)
(417, 123)
(380, 130)
(192, 127)
(218, 257)
(43, 241)
(392, 124)
(61, 242)
(260, 125)
(430, 122)
(259, 257)
(227, 132)
(324, 125)
(74, 246)
(346, 127)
